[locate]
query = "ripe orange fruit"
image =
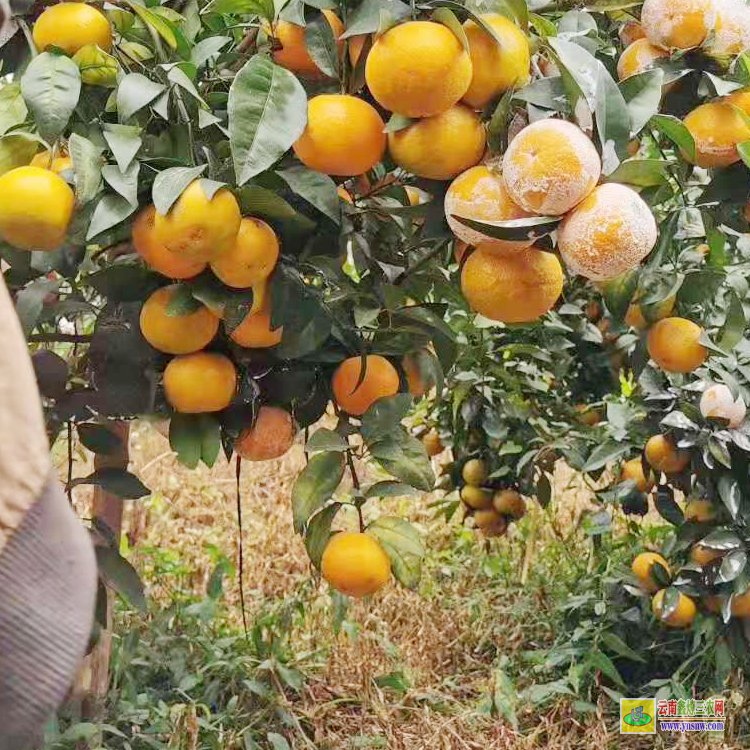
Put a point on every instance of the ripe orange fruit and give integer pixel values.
(609, 233)
(682, 617)
(475, 472)
(496, 67)
(638, 57)
(418, 69)
(293, 54)
(271, 435)
(71, 26)
(44, 160)
(381, 379)
(741, 605)
(680, 24)
(479, 193)
(550, 167)
(739, 99)
(732, 31)
(255, 331)
(514, 286)
(641, 568)
(356, 45)
(509, 503)
(343, 136)
(717, 401)
(490, 522)
(673, 344)
(703, 555)
(631, 31)
(415, 381)
(155, 255)
(633, 470)
(635, 315)
(432, 443)
(355, 564)
(344, 195)
(700, 511)
(439, 147)
(716, 128)
(199, 228)
(36, 206)
(176, 334)
(200, 382)
(588, 415)
(477, 498)
(663, 455)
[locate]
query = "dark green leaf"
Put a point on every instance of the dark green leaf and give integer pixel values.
(532, 227)
(318, 532)
(641, 172)
(170, 184)
(315, 485)
(365, 18)
(619, 292)
(403, 545)
(316, 188)
(732, 331)
(674, 129)
(642, 92)
(324, 439)
(87, 167)
(134, 92)
(186, 438)
(109, 211)
(321, 46)
(389, 488)
(117, 482)
(121, 576)
(384, 416)
(405, 458)
(98, 438)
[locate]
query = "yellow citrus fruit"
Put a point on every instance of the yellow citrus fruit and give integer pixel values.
(682, 617)
(344, 195)
(176, 334)
(717, 401)
(509, 503)
(343, 136)
(638, 57)
(700, 511)
(199, 228)
(631, 31)
(490, 522)
(416, 196)
(741, 605)
(356, 45)
(732, 31)
(255, 331)
(44, 160)
(635, 315)
(200, 382)
(439, 147)
(475, 472)
(514, 286)
(477, 498)
(355, 564)
(293, 54)
(418, 69)
(381, 379)
(432, 443)
(479, 193)
(704, 555)
(71, 26)
(36, 206)
(641, 568)
(155, 255)
(739, 99)
(415, 379)
(550, 167)
(716, 128)
(609, 233)
(496, 66)
(680, 24)
(271, 435)
(663, 455)
(588, 415)
(673, 344)
(633, 470)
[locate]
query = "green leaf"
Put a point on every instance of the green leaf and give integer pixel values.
(365, 18)
(315, 485)
(318, 532)
(178, 76)
(186, 438)
(30, 301)
(210, 439)
(674, 129)
(170, 184)
(579, 69)
(110, 211)
(98, 438)
(208, 47)
(732, 331)
(384, 416)
(729, 492)
(118, 482)
(321, 46)
(497, 130)
(397, 122)
(389, 488)
(642, 92)
(667, 507)
(448, 18)
(602, 662)
(277, 741)
(324, 439)
(13, 109)
(51, 86)
(158, 24)
(612, 120)
(316, 188)
(619, 293)
(16, 151)
(641, 172)
(405, 458)
(121, 576)
(269, 205)
(124, 142)
(603, 454)
(134, 92)
(126, 184)
(262, 8)
(267, 114)
(97, 67)
(548, 93)
(532, 227)
(87, 167)
(123, 282)
(403, 545)
(614, 643)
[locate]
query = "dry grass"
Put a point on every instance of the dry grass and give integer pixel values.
(442, 639)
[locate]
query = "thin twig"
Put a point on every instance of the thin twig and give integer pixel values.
(241, 549)
(59, 338)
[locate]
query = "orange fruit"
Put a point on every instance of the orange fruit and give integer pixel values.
(293, 54)
(638, 57)
(550, 167)
(271, 435)
(36, 206)
(479, 193)
(432, 443)
(490, 522)
(732, 31)
(439, 147)
(682, 617)
(71, 26)
(680, 24)
(176, 334)
(44, 160)
(635, 315)
(418, 69)
(631, 31)
(673, 343)
(200, 382)
(356, 45)
(588, 415)
(255, 331)
(380, 379)
(197, 227)
(511, 286)
(641, 568)
(344, 195)
(475, 472)
(155, 255)
(509, 503)
(741, 605)
(355, 564)
(415, 380)
(704, 555)
(700, 511)
(663, 455)
(476, 498)
(717, 401)
(496, 67)
(633, 470)
(716, 128)
(343, 136)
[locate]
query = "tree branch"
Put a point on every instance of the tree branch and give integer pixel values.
(59, 338)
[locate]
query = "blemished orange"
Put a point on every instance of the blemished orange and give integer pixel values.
(490, 522)
(44, 160)
(704, 555)
(432, 443)
(293, 54)
(741, 605)
(496, 67)
(197, 227)
(550, 167)
(631, 31)
(700, 511)
(439, 147)
(663, 455)
(509, 503)
(633, 470)
(155, 255)
(176, 334)
(418, 69)
(680, 24)
(381, 379)
(641, 567)
(516, 286)
(683, 615)
(588, 415)
(271, 435)
(638, 57)
(732, 30)
(479, 193)
(255, 331)
(636, 317)
(717, 128)
(475, 472)
(355, 564)
(476, 498)
(36, 207)
(71, 26)
(609, 233)
(673, 343)
(200, 383)
(344, 135)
